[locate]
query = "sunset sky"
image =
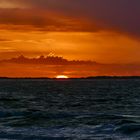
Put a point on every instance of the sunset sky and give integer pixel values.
(105, 31)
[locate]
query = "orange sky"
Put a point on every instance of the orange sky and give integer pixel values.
(103, 46)
(46, 28)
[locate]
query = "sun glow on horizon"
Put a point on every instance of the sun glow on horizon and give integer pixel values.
(62, 77)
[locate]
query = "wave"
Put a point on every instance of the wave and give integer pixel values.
(63, 125)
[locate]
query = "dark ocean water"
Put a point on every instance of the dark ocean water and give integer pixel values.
(99, 109)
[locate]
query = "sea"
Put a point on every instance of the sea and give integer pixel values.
(70, 109)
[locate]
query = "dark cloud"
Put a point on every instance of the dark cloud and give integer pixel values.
(121, 15)
(49, 60)
(32, 19)
(52, 66)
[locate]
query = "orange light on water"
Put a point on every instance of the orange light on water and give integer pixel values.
(62, 77)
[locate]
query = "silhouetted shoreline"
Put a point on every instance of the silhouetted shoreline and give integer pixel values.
(94, 77)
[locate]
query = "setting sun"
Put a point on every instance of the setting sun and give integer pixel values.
(62, 77)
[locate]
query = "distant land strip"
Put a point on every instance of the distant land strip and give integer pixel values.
(92, 77)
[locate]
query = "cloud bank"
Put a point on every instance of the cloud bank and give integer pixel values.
(72, 15)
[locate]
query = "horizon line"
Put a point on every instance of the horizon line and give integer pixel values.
(89, 77)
